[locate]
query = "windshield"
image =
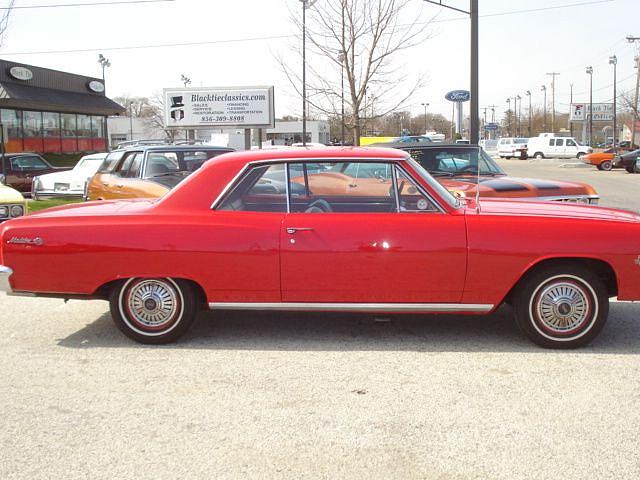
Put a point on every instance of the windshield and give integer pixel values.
(445, 194)
(450, 161)
(88, 165)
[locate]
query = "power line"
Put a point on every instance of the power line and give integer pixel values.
(94, 4)
(156, 45)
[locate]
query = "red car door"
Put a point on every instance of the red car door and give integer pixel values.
(368, 247)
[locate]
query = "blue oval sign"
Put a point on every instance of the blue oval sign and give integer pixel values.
(458, 96)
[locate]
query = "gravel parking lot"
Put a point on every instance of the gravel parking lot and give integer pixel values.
(250, 395)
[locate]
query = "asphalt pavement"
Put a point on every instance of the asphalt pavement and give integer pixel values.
(256, 395)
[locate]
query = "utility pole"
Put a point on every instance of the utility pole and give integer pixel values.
(553, 100)
(528, 93)
(613, 60)
(519, 113)
(509, 115)
(544, 108)
(570, 103)
(589, 71)
(185, 81)
(634, 110)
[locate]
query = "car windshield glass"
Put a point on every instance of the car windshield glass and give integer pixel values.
(436, 186)
(455, 161)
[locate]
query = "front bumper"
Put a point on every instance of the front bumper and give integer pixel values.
(5, 273)
(58, 193)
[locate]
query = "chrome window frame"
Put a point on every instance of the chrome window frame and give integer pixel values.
(394, 163)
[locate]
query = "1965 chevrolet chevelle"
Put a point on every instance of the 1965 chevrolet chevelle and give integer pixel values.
(282, 230)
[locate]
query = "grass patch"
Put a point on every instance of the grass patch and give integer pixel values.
(36, 205)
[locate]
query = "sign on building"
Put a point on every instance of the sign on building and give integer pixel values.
(244, 107)
(602, 112)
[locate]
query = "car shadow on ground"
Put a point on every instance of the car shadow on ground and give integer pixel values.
(362, 332)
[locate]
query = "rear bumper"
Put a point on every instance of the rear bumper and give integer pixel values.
(5, 273)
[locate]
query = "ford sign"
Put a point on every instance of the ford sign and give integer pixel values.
(458, 96)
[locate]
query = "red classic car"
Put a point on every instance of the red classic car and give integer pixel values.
(248, 231)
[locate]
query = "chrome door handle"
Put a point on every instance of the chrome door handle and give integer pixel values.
(292, 230)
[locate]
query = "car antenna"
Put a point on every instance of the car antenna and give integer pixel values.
(478, 183)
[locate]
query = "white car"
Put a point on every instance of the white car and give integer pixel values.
(69, 183)
(548, 145)
(509, 147)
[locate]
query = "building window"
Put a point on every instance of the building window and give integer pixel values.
(84, 126)
(32, 127)
(51, 132)
(12, 121)
(69, 127)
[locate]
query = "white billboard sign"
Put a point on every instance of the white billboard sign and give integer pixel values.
(244, 107)
(602, 112)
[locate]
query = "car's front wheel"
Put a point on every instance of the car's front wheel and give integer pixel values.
(607, 165)
(153, 310)
(539, 155)
(563, 306)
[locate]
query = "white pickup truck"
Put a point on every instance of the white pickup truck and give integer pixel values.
(547, 145)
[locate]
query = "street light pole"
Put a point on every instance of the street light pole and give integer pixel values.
(613, 60)
(589, 71)
(519, 113)
(528, 93)
(544, 108)
(185, 81)
(509, 115)
(425, 105)
(104, 63)
(130, 120)
(553, 100)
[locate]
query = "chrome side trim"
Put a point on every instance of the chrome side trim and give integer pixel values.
(354, 307)
(5, 273)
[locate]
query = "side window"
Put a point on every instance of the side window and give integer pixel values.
(551, 143)
(161, 163)
(559, 142)
(136, 166)
(122, 169)
(261, 189)
(341, 187)
(27, 163)
(571, 143)
(410, 198)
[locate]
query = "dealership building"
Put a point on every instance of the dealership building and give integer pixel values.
(48, 111)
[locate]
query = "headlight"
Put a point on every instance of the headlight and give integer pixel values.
(4, 212)
(17, 211)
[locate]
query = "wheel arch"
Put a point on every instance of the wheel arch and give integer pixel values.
(104, 290)
(602, 268)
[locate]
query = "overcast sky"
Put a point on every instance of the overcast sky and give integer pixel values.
(516, 49)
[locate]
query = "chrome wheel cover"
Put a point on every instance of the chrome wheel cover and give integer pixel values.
(151, 306)
(563, 308)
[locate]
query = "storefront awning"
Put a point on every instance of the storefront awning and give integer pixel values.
(26, 97)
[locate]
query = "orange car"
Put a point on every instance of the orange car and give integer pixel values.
(147, 171)
(602, 160)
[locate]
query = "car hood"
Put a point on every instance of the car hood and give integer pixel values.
(505, 186)
(555, 209)
(9, 195)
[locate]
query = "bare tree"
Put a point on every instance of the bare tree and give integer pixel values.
(153, 116)
(360, 40)
(4, 20)
(136, 106)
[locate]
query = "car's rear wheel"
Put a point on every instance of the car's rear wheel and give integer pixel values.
(153, 310)
(508, 158)
(538, 155)
(630, 169)
(564, 306)
(606, 165)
